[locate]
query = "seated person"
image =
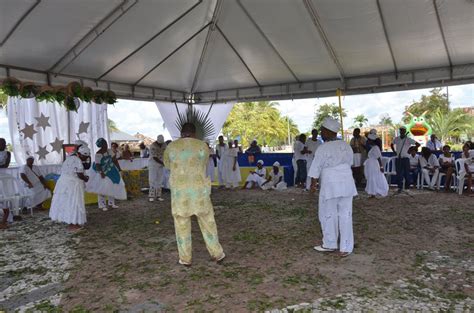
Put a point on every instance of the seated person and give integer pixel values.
(5, 156)
(275, 179)
(468, 171)
(127, 154)
(257, 177)
(115, 151)
(35, 182)
(414, 164)
(446, 161)
(254, 148)
(429, 167)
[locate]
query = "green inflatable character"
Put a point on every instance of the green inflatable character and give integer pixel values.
(418, 125)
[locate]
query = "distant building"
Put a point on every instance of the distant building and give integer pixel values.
(385, 132)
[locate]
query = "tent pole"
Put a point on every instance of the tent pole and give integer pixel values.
(339, 93)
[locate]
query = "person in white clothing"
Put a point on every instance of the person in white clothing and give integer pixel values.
(35, 182)
(105, 179)
(256, 178)
(116, 154)
(400, 146)
(434, 144)
(446, 163)
(211, 164)
(311, 146)
(300, 158)
(357, 144)
(144, 151)
(332, 168)
(468, 171)
(414, 165)
(68, 205)
(373, 170)
(231, 173)
(429, 167)
(221, 152)
(275, 179)
(5, 156)
(156, 169)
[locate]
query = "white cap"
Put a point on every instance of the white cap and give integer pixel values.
(372, 136)
(373, 131)
(84, 151)
(331, 124)
(277, 164)
(160, 139)
(260, 162)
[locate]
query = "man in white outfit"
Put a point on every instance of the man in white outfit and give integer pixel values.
(221, 150)
(311, 146)
(156, 168)
(332, 168)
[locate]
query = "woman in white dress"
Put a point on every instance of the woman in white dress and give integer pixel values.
(256, 178)
(231, 174)
(211, 164)
(68, 205)
(275, 179)
(35, 183)
(468, 171)
(105, 179)
(373, 170)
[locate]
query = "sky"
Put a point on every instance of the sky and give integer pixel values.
(143, 117)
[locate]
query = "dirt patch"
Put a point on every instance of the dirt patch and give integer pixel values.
(127, 260)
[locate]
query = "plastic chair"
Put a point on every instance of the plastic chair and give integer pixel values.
(11, 194)
(390, 169)
(460, 173)
(441, 175)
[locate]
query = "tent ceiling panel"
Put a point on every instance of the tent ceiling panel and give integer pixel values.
(133, 29)
(457, 18)
(156, 51)
(266, 49)
(303, 50)
(355, 30)
(50, 30)
(414, 33)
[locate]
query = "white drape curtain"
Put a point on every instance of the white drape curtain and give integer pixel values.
(217, 113)
(40, 128)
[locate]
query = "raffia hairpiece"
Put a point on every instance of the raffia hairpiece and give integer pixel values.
(204, 127)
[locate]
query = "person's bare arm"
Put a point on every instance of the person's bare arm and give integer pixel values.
(7, 161)
(392, 147)
(83, 177)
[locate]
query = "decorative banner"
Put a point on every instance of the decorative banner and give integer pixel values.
(40, 129)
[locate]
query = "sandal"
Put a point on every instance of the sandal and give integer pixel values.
(343, 254)
(184, 263)
(322, 249)
(221, 258)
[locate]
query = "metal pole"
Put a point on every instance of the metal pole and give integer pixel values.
(339, 94)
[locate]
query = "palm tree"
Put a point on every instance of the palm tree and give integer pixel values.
(451, 124)
(360, 120)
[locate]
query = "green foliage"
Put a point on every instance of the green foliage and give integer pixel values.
(452, 123)
(259, 120)
(360, 120)
(431, 103)
(325, 110)
(3, 99)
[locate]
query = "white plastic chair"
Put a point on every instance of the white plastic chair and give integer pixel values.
(10, 193)
(460, 173)
(390, 169)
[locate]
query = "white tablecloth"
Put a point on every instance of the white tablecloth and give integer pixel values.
(45, 170)
(135, 164)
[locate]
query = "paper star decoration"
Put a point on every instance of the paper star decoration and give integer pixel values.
(42, 152)
(28, 131)
(83, 128)
(57, 145)
(43, 121)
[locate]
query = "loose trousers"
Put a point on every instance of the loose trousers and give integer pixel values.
(335, 216)
(155, 180)
(102, 202)
(430, 181)
(208, 227)
(220, 170)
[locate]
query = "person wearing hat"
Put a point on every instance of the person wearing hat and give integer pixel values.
(332, 169)
(256, 178)
(373, 169)
(35, 183)
(275, 179)
(358, 143)
(400, 146)
(68, 205)
(87, 162)
(105, 179)
(156, 168)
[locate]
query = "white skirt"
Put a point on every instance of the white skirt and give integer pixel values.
(357, 160)
(255, 178)
(68, 201)
(376, 181)
(229, 175)
(37, 195)
(105, 186)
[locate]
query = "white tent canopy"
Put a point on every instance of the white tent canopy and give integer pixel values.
(217, 51)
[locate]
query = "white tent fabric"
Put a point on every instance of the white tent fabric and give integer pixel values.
(217, 114)
(221, 50)
(40, 129)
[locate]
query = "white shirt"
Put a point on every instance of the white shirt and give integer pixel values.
(221, 151)
(261, 172)
(32, 174)
(299, 146)
(276, 177)
(332, 165)
(72, 166)
(433, 146)
(414, 160)
(430, 163)
(442, 159)
(312, 145)
(156, 151)
(402, 145)
(470, 160)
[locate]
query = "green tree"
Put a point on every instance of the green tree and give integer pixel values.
(360, 120)
(325, 110)
(386, 120)
(437, 100)
(112, 126)
(258, 120)
(3, 100)
(451, 124)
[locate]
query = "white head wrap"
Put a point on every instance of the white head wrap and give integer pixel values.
(260, 162)
(277, 164)
(331, 124)
(84, 151)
